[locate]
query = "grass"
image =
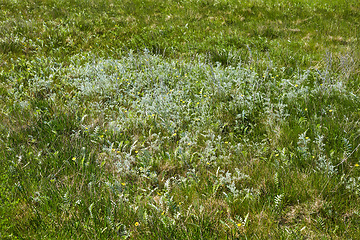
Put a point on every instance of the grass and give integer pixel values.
(179, 119)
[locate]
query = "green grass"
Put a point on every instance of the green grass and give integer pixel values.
(179, 119)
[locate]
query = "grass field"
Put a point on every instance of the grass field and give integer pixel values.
(170, 119)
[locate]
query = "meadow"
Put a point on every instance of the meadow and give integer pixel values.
(179, 119)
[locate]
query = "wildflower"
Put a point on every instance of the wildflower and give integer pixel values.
(189, 144)
(118, 151)
(239, 224)
(305, 109)
(153, 115)
(162, 213)
(174, 134)
(136, 151)
(307, 138)
(113, 149)
(74, 158)
(207, 163)
(276, 155)
(330, 110)
(226, 142)
(123, 184)
(356, 165)
(137, 224)
(296, 85)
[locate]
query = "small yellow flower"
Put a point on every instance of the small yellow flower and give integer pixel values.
(174, 134)
(296, 85)
(276, 155)
(330, 110)
(239, 224)
(305, 109)
(137, 224)
(356, 165)
(189, 144)
(226, 142)
(118, 151)
(207, 163)
(198, 103)
(307, 138)
(136, 151)
(101, 136)
(113, 149)
(123, 184)
(162, 213)
(74, 158)
(153, 115)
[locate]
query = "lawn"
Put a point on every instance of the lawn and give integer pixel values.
(170, 119)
